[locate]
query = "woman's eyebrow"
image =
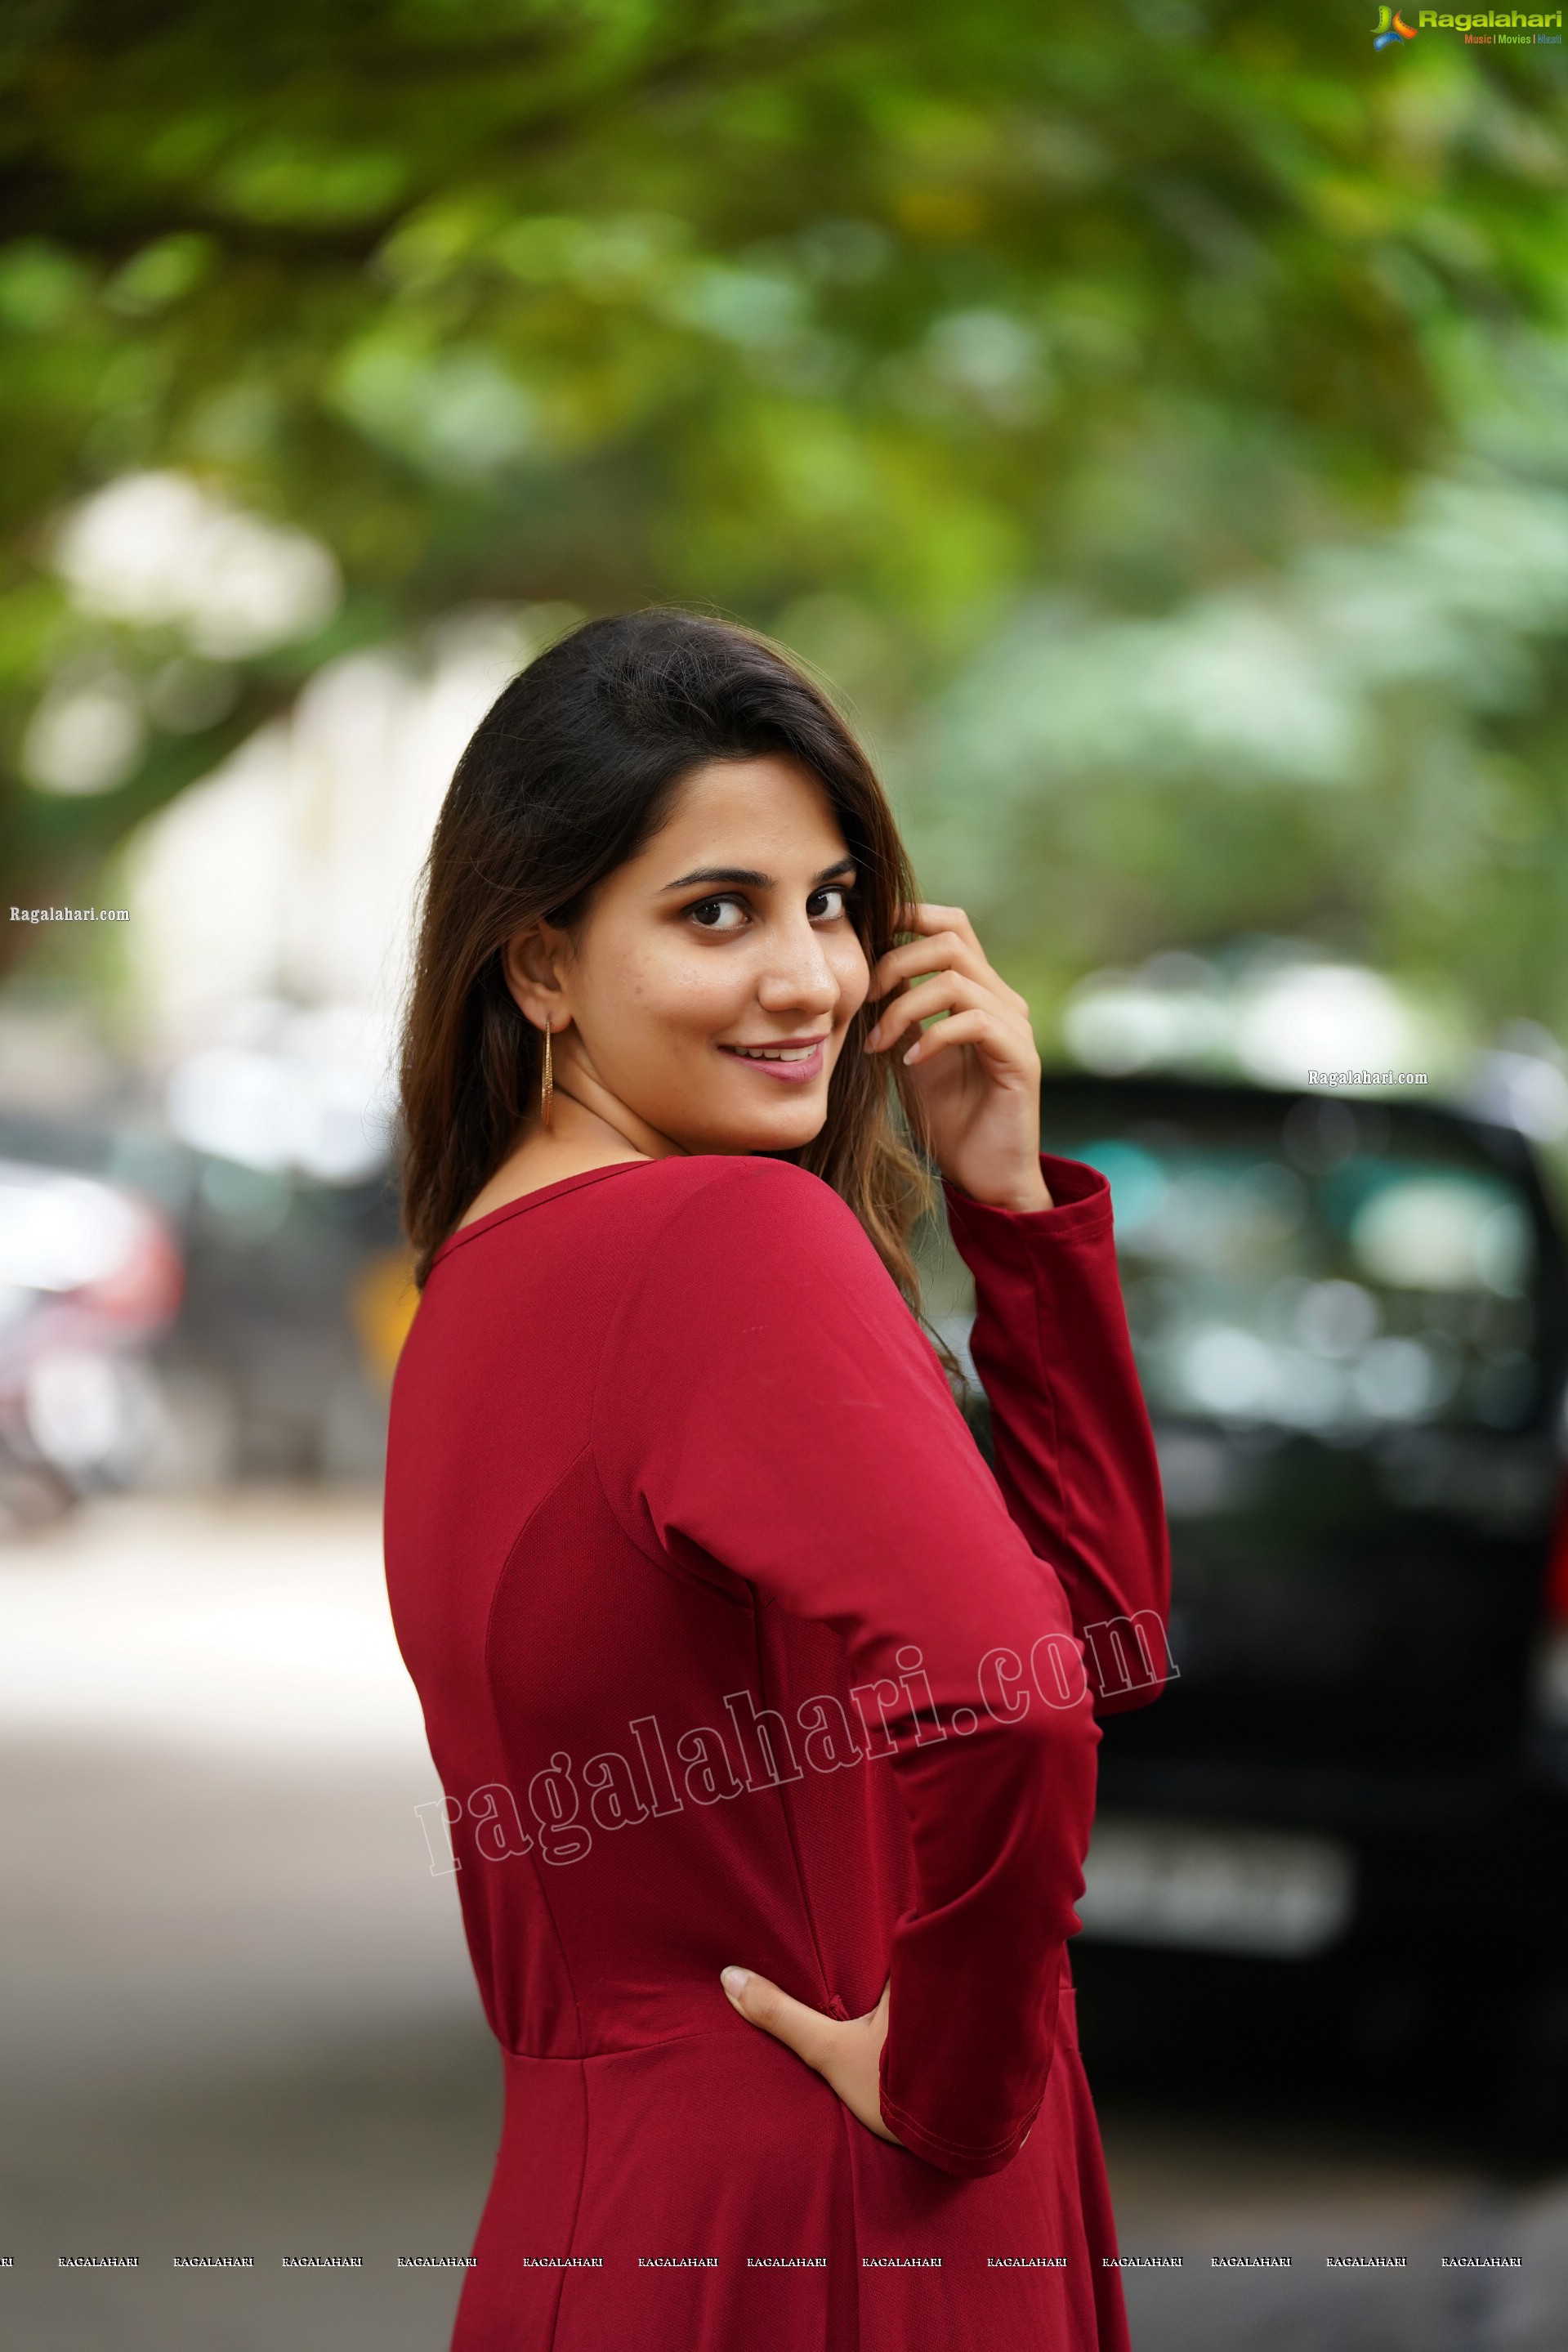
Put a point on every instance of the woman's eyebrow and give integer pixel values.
(747, 877)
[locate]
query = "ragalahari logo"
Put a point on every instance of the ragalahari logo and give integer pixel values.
(1391, 29)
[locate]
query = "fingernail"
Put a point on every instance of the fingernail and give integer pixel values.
(733, 1979)
(913, 1053)
(873, 1034)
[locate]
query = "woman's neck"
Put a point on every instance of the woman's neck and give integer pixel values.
(580, 1139)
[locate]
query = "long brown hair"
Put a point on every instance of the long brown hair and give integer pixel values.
(570, 773)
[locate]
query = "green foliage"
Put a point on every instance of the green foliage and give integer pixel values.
(953, 345)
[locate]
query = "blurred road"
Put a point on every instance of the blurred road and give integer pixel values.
(236, 2014)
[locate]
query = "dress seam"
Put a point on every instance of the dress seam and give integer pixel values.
(577, 2204)
(624, 2050)
(550, 1492)
(829, 1992)
(532, 1857)
(507, 1565)
(847, 2144)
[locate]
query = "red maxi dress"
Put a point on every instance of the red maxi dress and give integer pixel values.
(731, 1647)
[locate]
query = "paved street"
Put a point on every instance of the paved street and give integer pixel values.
(236, 2015)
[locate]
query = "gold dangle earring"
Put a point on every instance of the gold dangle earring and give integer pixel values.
(547, 1085)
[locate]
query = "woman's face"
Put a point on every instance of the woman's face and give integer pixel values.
(712, 983)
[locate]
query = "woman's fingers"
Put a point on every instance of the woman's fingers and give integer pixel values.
(947, 950)
(951, 992)
(979, 1110)
(847, 2053)
(924, 915)
(977, 1028)
(944, 992)
(946, 937)
(804, 2030)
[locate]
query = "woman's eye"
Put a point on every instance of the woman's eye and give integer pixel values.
(718, 914)
(826, 906)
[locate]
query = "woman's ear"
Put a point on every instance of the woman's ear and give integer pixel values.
(530, 962)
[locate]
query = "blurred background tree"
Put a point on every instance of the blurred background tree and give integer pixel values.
(1152, 417)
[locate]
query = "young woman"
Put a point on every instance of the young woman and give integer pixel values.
(759, 1702)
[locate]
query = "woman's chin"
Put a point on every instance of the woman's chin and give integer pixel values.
(787, 1127)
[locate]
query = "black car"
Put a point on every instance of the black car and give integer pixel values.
(1348, 1809)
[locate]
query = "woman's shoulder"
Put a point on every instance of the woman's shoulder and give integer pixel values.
(722, 1215)
(752, 1191)
(754, 1270)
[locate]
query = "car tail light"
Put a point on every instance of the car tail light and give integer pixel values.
(142, 1291)
(98, 1263)
(1557, 1568)
(1552, 1665)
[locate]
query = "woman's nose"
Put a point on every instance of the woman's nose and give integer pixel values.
(799, 974)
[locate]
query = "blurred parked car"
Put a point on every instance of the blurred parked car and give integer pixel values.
(267, 1350)
(1350, 1323)
(89, 1276)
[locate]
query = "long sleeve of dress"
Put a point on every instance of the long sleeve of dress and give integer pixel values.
(1074, 1453)
(770, 1421)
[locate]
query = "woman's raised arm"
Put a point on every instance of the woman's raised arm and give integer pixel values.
(1074, 1453)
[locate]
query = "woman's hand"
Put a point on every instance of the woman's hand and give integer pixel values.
(847, 2056)
(975, 1075)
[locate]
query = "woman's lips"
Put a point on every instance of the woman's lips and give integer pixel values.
(796, 1060)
